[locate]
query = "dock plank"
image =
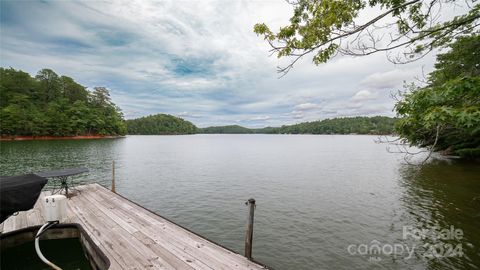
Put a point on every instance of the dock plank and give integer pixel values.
(179, 234)
(133, 237)
(179, 239)
(153, 259)
(177, 252)
(102, 245)
(108, 238)
(191, 243)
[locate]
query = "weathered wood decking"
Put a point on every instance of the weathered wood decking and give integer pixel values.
(133, 237)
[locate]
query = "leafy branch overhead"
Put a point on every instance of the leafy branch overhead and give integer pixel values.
(326, 28)
(445, 114)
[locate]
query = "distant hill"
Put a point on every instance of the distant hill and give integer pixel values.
(380, 125)
(160, 124)
(345, 125)
(231, 129)
(164, 124)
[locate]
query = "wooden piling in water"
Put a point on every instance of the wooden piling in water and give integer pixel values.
(113, 176)
(249, 229)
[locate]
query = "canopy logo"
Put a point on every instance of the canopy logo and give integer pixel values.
(435, 243)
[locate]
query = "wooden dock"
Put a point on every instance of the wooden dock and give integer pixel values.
(133, 237)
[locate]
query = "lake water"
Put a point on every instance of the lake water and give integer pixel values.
(323, 202)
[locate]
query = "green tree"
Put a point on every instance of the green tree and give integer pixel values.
(59, 123)
(80, 118)
(13, 83)
(72, 90)
(445, 114)
(55, 106)
(380, 125)
(16, 116)
(463, 60)
(49, 88)
(160, 124)
(111, 118)
(328, 27)
(231, 129)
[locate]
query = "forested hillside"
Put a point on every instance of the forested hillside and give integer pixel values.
(231, 129)
(347, 125)
(53, 105)
(160, 124)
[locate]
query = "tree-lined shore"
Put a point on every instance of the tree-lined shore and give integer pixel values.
(441, 115)
(53, 105)
(378, 125)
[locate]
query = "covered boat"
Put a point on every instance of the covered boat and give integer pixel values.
(19, 193)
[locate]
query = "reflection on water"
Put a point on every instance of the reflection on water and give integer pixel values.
(445, 193)
(317, 196)
(19, 157)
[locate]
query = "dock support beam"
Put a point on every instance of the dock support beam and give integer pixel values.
(249, 229)
(113, 176)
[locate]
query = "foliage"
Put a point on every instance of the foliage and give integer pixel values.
(328, 27)
(52, 105)
(349, 125)
(381, 125)
(449, 106)
(232, 129)
(462, 60)
(160, 124)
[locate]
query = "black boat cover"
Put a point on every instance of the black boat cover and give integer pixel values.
(19, 193)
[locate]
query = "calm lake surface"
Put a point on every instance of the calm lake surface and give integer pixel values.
(323, 202)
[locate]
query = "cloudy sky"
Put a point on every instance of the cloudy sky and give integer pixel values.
(197, 60)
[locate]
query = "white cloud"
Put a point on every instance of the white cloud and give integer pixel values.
(261, 118)
(307, 106)
(297, 114)
(353, 105)
(188, 115)
(201, 59)
(364, 95)
(388, 80)
(374, 109)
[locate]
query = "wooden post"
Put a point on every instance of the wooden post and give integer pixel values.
(249, 230)
(113, 176)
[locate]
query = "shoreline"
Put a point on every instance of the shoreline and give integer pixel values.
(45, 138)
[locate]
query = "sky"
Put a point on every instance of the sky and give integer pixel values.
(198, 60)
